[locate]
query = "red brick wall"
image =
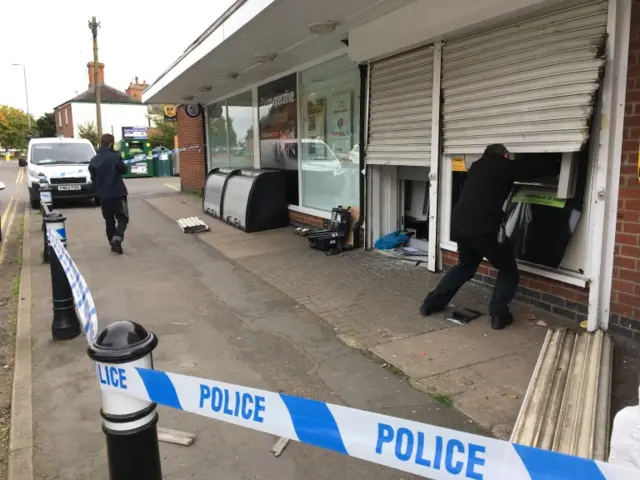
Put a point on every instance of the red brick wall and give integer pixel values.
(192, 160)
(625, 295)
(66, 128)
(557, 297)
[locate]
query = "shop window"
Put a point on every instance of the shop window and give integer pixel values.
(217, 135)
(330, 127)
(543, 226)
(278, 130)
(230, 132)
(240, 130)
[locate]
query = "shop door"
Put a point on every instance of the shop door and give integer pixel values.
(531, 86)
(400, 98)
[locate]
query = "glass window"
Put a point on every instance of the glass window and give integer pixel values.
(240, 130)
(231, 132)
(217, 141)
(278, 112)
(329, 160)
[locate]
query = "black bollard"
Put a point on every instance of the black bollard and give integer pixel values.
(45, 208)
(66, 324)
(130, 425)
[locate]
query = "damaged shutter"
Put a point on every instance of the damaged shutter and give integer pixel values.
(400, 96)
(531, 86)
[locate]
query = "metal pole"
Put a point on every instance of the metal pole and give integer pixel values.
(94, 25)
(130, 425)
(26, 94)
(26, 90)
(65, 324)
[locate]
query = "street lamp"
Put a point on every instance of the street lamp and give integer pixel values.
(26, 90)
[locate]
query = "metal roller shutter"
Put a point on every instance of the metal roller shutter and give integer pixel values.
(400, 109)
(531, 86)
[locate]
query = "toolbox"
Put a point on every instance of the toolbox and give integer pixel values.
(334, 237)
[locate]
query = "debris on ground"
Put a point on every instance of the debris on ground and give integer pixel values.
(192, 225)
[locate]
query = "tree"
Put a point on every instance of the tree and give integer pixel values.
(164, 134)
(46, 125)
(14, 128)
(218, 132)
(89, 131)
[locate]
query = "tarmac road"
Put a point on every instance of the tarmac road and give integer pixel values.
(214, 320)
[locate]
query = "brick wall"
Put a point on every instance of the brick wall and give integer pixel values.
(192, 162)
(557, 297)
(625, 295)
(66, 128)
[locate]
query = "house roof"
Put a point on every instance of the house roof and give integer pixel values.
(107, 95)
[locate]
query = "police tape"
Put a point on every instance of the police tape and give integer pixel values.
(425, 450)
(82, 296)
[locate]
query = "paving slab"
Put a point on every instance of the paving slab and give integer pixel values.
(216, 320)
(372, 300)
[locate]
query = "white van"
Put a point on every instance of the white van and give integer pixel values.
(63, 163)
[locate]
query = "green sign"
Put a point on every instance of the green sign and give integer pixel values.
(537, 199)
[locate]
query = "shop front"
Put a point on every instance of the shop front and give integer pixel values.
(540, 83)
(380, 110)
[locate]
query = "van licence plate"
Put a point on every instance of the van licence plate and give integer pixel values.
(68, 187)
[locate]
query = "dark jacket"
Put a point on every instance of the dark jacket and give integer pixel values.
(106, 170)
(487, 186)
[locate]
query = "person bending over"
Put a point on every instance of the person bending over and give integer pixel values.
(475, 224)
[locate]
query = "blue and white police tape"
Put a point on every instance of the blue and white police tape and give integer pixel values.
(81, 294)
(425, 450)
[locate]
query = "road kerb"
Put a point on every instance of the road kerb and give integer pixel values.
(21, 434)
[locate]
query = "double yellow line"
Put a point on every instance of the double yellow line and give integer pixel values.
(9, 213)
(20, 177)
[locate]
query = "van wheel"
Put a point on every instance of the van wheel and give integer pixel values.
(35, 204)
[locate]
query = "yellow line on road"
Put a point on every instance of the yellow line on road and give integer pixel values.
(6, 211)
(7, 232)
(177, 189)
(20, 176)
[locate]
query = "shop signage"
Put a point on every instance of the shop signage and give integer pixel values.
(341, 123)
(537, 199)
(137, 133)
(639, 163)
(169, 112)
(278, 120)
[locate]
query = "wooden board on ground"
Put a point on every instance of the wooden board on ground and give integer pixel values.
(354, 214)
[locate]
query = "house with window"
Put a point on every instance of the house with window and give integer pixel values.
(118, 109)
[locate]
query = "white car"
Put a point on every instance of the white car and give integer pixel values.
(62, 163)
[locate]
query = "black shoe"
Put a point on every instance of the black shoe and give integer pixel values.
(116, 246)
(426, 311)
(498, 322)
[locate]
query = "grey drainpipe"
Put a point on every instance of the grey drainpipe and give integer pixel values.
(361, 154)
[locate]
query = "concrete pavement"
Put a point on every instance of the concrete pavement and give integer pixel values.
(214, 319)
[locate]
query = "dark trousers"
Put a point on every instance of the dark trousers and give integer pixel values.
(116, 216)
(471, 252)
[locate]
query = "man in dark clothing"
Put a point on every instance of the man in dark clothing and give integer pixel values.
(106, 170)
(475, 225)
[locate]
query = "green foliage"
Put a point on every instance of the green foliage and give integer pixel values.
(46, 125)
(164, 135)
(90, 132)
(14, 127)
(218, 132)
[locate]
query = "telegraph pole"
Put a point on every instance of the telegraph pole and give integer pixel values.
(93, 26)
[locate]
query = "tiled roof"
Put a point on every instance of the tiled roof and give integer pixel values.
(107, 95)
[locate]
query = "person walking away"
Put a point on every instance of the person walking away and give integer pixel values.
(106, 170)
(475, 224)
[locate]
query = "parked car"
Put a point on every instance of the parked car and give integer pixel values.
(63, 163)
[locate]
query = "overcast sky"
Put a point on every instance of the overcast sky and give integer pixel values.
(137, 38)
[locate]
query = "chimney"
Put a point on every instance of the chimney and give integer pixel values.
(134, 90)
(90, 67)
